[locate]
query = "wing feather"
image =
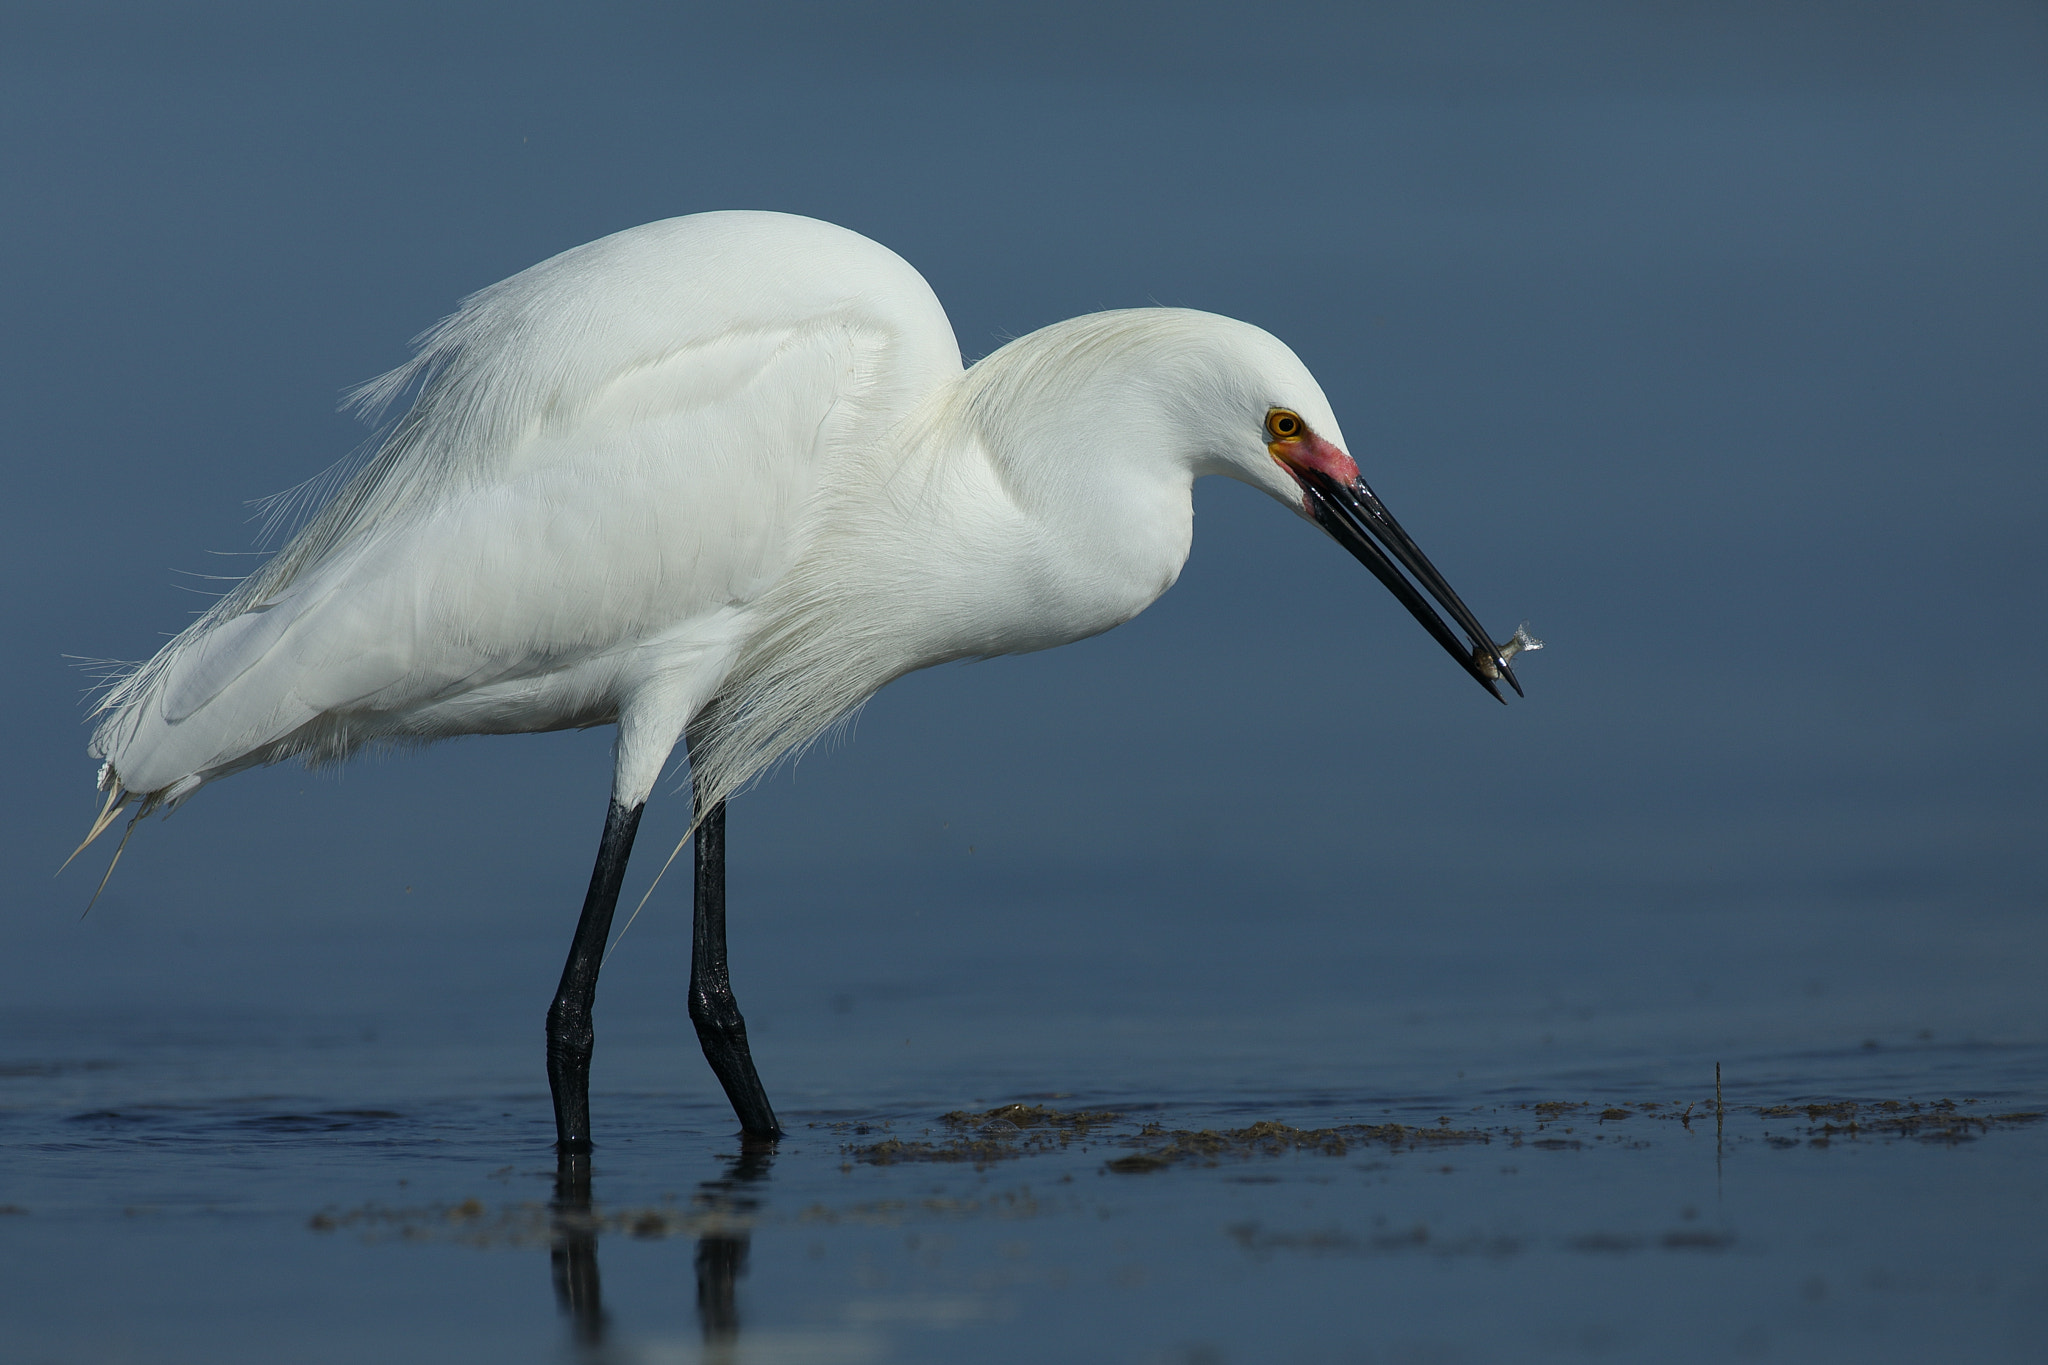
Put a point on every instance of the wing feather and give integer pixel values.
(602, 449)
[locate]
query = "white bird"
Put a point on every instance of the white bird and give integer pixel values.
(718, 479)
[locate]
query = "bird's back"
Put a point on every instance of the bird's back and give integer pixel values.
(609, 457)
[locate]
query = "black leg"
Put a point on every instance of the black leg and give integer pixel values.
(712, 1008)
(570, 1035)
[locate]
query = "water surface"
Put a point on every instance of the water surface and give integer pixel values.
(220, 1152)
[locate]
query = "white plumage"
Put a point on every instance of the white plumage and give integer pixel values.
(728, 457)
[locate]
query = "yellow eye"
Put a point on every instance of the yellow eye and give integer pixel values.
(1283, 425)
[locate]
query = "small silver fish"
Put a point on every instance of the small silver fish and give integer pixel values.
(1517, 643)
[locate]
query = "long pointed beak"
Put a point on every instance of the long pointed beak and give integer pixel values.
(1356, 519)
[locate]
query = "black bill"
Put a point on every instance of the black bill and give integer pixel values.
(1356, 518)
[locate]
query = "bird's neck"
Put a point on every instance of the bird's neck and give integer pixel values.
(1028, 535)
(957, 536)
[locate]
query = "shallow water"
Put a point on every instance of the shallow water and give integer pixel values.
(231, 1148)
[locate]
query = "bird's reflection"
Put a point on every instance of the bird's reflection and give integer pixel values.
(573, 1255)
(722, 1255)
(721, 1250)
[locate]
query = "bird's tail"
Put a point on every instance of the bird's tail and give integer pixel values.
(117, 800)
(118, 797)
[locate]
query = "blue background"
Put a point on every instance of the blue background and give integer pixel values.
(1706, 338)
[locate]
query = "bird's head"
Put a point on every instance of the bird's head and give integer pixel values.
(1263, 420)
(1173, 394)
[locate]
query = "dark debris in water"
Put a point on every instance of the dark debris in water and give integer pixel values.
(1012, 1131)
(999, 1134)
(1008, 1132)
(1939, 1121)
(1015, 1131)
(1943, 1121)
(1028, 1116)
(475, 1223)
(1160, 1148)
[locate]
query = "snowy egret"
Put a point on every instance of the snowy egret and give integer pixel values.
(716, 480)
